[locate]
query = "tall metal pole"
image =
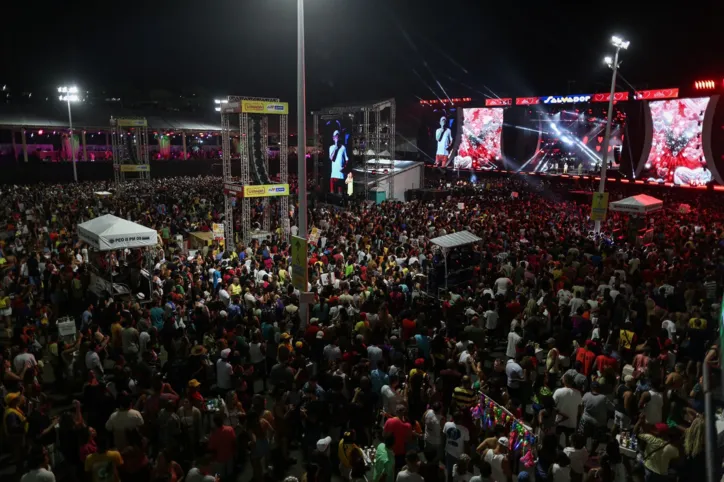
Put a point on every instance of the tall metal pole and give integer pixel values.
(302, 140)
(710, 437)
(72, 147)
(301, 122)
(607, 135)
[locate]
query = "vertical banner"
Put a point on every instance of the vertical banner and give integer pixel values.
(218, 230)
(164, 146)
(299, 263)
(599, 206)
(67, 152)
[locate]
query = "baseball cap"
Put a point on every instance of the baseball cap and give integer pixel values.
(225, 353)
(335, 133)
(323, 443)
(628, 378)
(504, 441)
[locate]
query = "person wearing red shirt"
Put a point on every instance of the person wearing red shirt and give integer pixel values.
(586, 357)
(223, 443)
(401, 429)
(408, 328)
(605, 360)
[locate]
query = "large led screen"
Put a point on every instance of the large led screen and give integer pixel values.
(480, 139)
(676, 155)
(565, 139)
(337, 151)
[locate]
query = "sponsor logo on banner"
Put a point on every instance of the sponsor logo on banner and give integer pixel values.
(262, 107)
(266, 190)
(132, 122)
(599, 206)
(135, 168)
(565, 99)
(218, 230)
(127, 239)
(237, 189)
(527, 100)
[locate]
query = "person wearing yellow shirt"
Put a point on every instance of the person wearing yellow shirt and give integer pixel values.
(15, 424)
(103, 465)
(235, 288)
(5, 309)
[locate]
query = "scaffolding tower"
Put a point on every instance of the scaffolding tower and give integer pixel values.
(130, 148)
(253, 133)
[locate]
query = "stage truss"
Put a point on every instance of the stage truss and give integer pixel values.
(130, 148)
(373, 136)
(230, 109)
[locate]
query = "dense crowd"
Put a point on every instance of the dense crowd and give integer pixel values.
(596, 344)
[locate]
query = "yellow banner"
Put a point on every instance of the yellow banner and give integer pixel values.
(599, 206)
(266, 190)
(261, 107)
(132, 122)
(135, 168)
(299, 263)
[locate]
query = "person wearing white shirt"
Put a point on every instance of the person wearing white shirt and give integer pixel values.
(568, 404)
(491, 319)
(514, 338)
(670, 328)
(502, 285)
(23, 359)
(224, 296)
(224, 370)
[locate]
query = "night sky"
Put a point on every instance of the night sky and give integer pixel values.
(357, 50)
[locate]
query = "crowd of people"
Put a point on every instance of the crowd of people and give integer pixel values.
(596, 344)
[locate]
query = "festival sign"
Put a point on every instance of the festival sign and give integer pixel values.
(218, 230)
(566, 99)
(266, 190)
(132, 122)
(599, 206)
(234, 189)
(135, 168)
(263, 107)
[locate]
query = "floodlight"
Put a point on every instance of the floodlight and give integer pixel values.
(620, 43)
(608, 61)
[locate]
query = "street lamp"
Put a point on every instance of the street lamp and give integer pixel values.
(70, 94)
(619, 43)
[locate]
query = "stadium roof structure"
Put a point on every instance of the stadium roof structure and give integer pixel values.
(454, 240)
(97, 117)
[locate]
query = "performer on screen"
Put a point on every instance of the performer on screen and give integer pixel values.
(338, 158)
(444, 139)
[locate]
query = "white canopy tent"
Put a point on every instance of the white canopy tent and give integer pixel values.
(639, 204)
(109, 232)
(453, 240)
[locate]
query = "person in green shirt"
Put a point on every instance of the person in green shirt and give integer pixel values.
(384, 467)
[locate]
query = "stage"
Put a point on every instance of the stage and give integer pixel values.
(384, 174)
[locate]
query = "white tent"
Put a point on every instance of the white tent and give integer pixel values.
(454, 240)
(110, 232)
(639, 204)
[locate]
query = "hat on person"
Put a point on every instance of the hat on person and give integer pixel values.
(504, 441)
(299, 344)
(661, 428)
(11, 397)
(285, 336)
(314, 320)
(223, 314)
(628, 378)
(551, 341)
(335, 133)
(194, 383)
(140, 296)
(198, 350)
(225, 353)
(420, 362)
(324, 443)
(523, 477)
(320, 334)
